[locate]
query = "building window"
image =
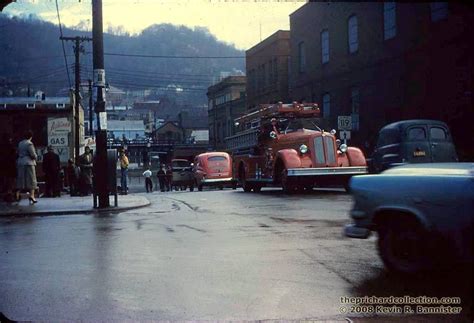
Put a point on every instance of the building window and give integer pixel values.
(301, 57)
(352, 33)
(326, 105)
(355, 103)
(325, 46)
(389, 20)
(439, 11)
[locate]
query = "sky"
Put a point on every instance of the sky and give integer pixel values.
(242, 23)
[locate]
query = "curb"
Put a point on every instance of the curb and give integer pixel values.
(69, 212)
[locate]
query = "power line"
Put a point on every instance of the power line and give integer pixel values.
(124, 71)
(161, 87)
(171, 56)
(62, 42)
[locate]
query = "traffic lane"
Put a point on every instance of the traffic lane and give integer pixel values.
(355, 261)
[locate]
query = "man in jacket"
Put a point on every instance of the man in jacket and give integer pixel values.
(85, 164)
(51, 168)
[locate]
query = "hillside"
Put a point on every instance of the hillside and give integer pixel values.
(31, 54)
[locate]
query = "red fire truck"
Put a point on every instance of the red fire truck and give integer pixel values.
(281, 145)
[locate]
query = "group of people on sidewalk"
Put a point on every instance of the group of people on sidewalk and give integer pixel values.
(164, 176)
(18, 171)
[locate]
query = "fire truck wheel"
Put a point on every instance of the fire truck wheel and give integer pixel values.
(245, 186)
(286, 185)
(257, 189)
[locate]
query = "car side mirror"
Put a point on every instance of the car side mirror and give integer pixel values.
(273, 134)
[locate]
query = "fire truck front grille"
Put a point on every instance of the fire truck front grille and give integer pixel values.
(330, 150)
(324, 151)
(319, 150)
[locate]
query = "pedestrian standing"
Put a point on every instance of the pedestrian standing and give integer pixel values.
(26, 167)
(148, 181)
(123, 172)
(161, 174)
(51, 169)
(85, 165)
(169, 178)
(72, 176)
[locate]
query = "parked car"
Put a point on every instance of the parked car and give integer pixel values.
(423, 214)
(182, 175)
(213, 169)
(412, 141)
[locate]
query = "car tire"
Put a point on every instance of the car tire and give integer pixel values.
(401, 246)
(257, 189)
(191, 188)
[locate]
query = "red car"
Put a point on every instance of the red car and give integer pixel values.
(213, 169)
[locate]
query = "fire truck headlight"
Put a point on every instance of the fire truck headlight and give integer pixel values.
(343, 148)
(303, 149)
(333, 132)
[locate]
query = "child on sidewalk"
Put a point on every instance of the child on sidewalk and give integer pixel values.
(148, 181)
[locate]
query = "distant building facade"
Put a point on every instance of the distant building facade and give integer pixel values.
(226, 103)
(383, 62)
(267, 70)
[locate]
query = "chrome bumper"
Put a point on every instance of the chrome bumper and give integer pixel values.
(351, 231)
(217, 180)
(328, 171)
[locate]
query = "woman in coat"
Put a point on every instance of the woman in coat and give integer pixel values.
(26, 167)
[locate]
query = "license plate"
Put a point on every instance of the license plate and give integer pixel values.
(419, 153)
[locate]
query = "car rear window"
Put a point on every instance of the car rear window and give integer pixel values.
(416, 133)
(217, 158)
(438, 133)
(181, 163)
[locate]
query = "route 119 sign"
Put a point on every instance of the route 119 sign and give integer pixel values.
(344, 123)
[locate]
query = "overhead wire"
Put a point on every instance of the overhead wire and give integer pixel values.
(62, 42)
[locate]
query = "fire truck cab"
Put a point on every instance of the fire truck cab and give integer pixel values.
(282, 145)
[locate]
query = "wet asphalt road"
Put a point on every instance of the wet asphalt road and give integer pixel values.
(204, 256)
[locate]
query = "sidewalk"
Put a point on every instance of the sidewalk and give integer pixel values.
(70, 205)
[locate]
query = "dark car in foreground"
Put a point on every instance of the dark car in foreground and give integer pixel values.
(423, 214)
(412, 141)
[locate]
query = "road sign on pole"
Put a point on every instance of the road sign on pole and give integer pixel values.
(344, 122)
(345, 135)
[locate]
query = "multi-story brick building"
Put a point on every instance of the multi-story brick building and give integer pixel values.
(267, 70)
(387, 61)
(226, 103)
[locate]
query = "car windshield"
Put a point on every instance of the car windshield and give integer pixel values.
(291, 125)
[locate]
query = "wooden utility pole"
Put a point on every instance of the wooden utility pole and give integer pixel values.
(101, 116)
(78, 49)
(91, 104)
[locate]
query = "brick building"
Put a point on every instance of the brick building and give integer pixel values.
(267, 70)
(226, 103)
(382, 62)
